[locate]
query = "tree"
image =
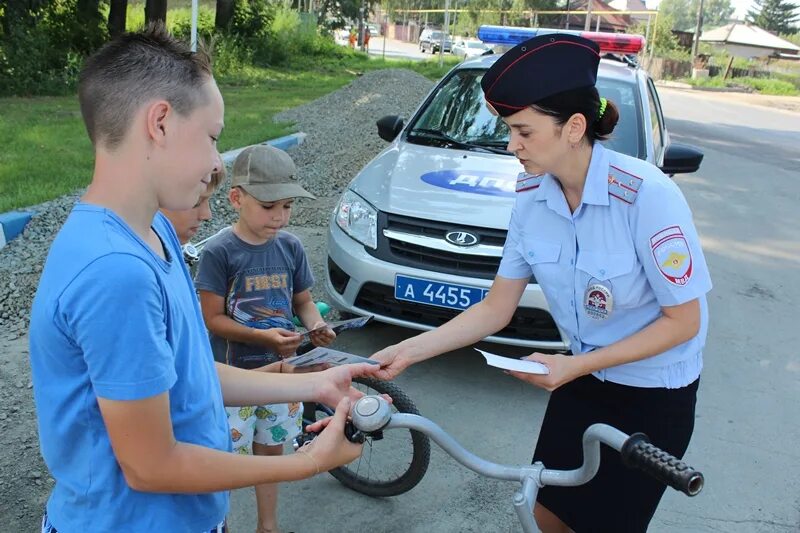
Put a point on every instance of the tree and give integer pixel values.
(225, 9)
(155, 10)
(88, 11)
(775, 16)
(684, 13)
(661, 37)
(16, 12)
(117, 17)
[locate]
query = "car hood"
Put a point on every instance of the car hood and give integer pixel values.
(462, 187)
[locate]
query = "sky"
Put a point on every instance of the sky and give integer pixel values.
(741, 7)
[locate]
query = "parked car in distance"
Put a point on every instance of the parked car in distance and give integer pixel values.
(431, 40)
(467, 49)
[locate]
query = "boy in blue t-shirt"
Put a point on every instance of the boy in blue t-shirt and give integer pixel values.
(252, 279)
(128, 396)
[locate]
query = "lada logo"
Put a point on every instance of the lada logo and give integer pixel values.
(461, 238)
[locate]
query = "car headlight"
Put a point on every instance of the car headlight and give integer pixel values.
(358, 219)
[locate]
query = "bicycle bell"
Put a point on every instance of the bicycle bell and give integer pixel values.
(371, 413)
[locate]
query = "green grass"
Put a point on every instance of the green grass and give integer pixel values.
(773, 87)
(46, 152)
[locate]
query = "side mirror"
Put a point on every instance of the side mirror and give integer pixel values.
(390, 127)
(681, 159)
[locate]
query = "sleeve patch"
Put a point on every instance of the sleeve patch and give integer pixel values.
(623, 185)
(672, 255)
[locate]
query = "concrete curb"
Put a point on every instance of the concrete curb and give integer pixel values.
(283, 143)
(688, 87)
(13, 223)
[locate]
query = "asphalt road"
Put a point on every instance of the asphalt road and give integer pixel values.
(744, 200)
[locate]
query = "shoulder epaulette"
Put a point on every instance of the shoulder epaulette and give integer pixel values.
(623, 185)
(527, 182)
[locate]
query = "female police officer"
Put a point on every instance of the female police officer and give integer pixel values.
(611, 242)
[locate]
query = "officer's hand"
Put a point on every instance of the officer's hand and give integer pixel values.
(563, 369)
(392, 362)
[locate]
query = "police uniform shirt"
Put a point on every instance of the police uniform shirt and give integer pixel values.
(607, 268)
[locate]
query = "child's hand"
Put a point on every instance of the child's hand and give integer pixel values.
(331, 448)
(281, 341)
(291, 369)
(322, 337)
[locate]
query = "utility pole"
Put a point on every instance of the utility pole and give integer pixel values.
(567, 25)
(361, 14)
(588, 23)
(697, 32)
(445, 34)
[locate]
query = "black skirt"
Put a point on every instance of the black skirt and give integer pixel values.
(617, 499)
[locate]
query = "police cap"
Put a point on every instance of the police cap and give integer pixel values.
(540, 67)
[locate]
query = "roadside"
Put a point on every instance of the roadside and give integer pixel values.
(785, 103)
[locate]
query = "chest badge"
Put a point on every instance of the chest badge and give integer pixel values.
(598, 302)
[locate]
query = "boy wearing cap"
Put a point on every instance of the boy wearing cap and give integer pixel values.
(253, 278)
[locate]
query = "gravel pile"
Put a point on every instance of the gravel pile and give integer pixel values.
(341, 139)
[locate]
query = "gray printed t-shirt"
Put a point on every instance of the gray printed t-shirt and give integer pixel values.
(257, 282)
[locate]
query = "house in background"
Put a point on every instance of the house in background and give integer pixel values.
(609, 21)
(631, 5)
(741, 39)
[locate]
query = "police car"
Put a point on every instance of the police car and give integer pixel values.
(418, 235)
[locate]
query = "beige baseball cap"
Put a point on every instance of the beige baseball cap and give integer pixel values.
(267, 173)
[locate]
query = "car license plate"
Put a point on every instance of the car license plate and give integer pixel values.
(436, 293)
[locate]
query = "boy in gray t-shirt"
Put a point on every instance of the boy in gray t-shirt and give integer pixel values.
(252, 279)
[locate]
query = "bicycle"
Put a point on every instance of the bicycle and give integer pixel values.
(388, 466)
(373, 415)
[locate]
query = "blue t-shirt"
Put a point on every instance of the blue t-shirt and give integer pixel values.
(111, 319)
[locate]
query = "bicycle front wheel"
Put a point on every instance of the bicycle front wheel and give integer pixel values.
(388, 466)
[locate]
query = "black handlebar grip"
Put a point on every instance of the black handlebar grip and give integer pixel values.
(637, 452)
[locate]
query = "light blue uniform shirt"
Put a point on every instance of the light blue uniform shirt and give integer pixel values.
(113, 320)
(607, 269)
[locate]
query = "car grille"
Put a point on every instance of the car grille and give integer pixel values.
(435, 259)
(527, 323)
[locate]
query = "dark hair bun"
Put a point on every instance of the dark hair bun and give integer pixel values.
(605, 124)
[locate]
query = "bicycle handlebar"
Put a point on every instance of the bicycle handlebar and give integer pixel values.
(372, 413)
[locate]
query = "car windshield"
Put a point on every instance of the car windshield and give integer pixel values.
(475, 45)
(436, 35)
(458, 111)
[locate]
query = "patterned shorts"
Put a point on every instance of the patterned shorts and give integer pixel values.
(270, 425)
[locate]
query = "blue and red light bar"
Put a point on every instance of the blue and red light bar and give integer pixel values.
(620, 43)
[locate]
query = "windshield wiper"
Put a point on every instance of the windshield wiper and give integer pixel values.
(502, 145)
(455, 143)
